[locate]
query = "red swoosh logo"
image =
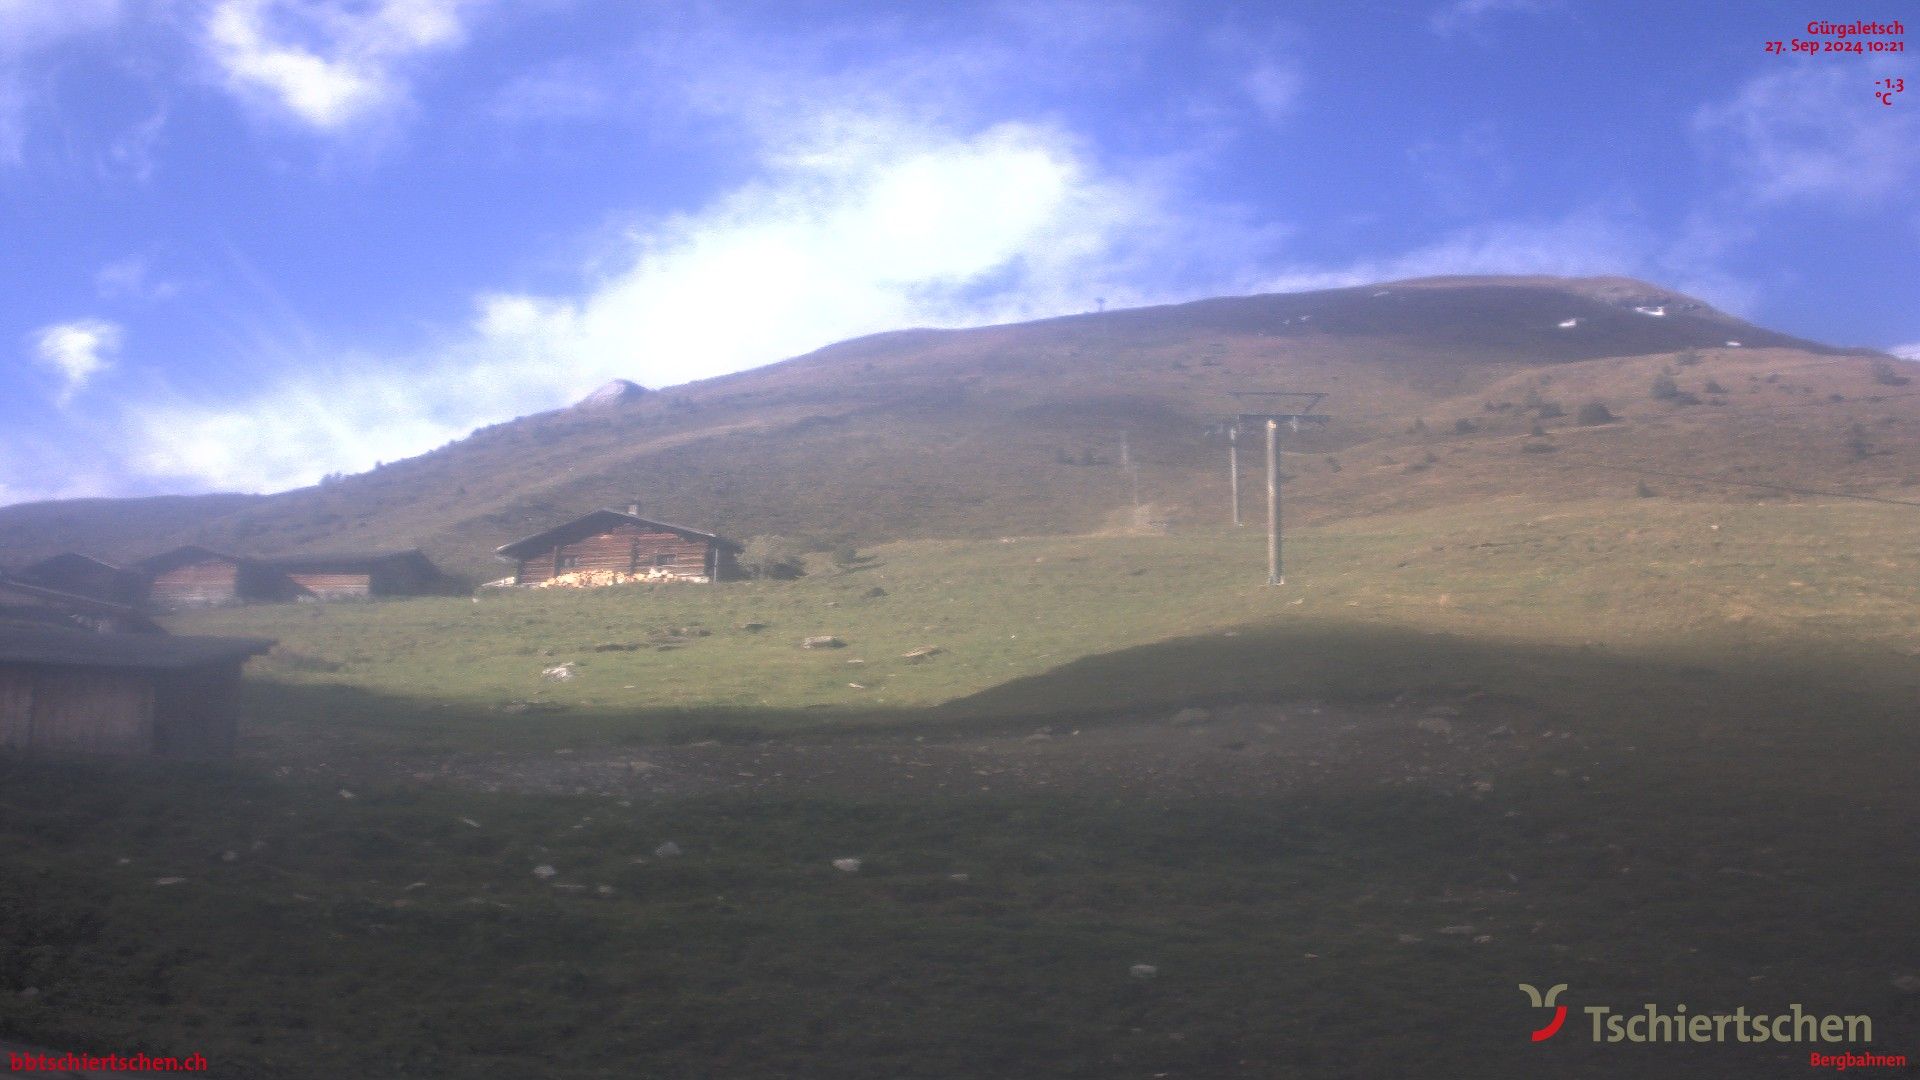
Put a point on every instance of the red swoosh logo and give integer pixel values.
(1548, 1032)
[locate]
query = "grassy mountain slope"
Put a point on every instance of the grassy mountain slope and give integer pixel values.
(1016, 429)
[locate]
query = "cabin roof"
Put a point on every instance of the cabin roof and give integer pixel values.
(59, 646)
(56, 563)
(82, 575)
(73, 602)
(597, 522)
(182, 556)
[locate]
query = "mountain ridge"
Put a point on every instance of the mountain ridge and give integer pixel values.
(1014, 428)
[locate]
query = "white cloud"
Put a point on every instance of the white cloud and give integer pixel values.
(1906, 352)
(132, 153)
(1812, 132)
(132, 278)
(328, 63)
(874, 226)
(76, 351)
(1273, 86)
(28, 30)
(1466, 14)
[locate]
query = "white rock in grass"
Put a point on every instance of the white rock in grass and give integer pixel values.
(168, 880)
(544, 872)
(849, 865)
(1143, 971)
(667, 850)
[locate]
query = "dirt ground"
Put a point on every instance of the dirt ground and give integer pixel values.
(1453, 742)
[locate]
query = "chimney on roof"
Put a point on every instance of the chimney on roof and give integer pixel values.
(633, 509)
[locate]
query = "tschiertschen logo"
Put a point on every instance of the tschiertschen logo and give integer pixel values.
(1547, 1002)
(1651, 1023)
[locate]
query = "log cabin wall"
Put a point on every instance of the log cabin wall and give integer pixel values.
(89, 710)
(334, 586)
(623, 548)
(209, 583)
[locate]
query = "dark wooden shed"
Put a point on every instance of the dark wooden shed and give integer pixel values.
(610, 547)
(350, 575)
(84, 575)
(70, 690)
(21, 602)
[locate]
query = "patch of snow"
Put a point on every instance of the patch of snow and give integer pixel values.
(1656, 312)
(1568, 324)
(1733, 344)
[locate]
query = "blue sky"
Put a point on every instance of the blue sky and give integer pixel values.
(244, 243)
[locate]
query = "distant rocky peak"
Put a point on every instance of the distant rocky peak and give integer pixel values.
(615, 393)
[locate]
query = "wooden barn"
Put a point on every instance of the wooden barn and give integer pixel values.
(609, 547)
(192, 577)
(197, 577)
(73, 691)
(346, 576)
(84, 575)
(24, 603)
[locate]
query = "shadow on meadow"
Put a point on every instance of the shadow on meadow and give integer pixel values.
(1727, 828)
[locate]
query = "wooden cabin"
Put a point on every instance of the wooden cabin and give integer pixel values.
(197, 577)
(611, 547)
(191, 577)
(351, 576)
(32, 605)
(72, 691)
(83, 575)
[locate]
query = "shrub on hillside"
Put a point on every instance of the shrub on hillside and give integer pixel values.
(1885, 374)
(1859, 446)
(1464, 426)
(1664, 388)
(771, 556)
(1594, 413)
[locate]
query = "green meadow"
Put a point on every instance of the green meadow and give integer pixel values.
(1687, 727)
